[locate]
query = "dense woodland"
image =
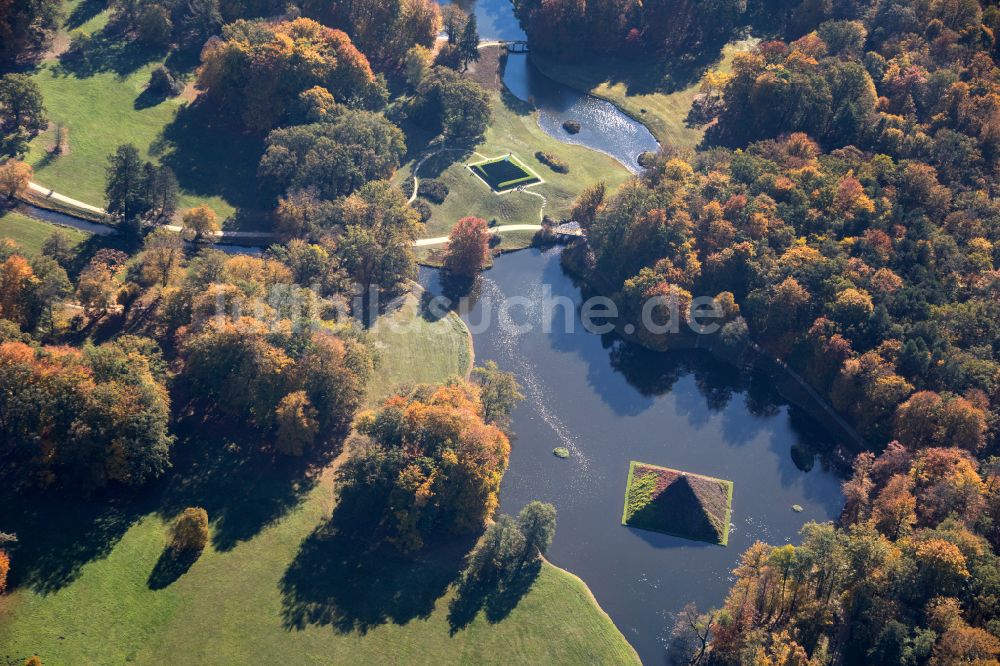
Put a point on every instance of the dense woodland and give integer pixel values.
(843, 212)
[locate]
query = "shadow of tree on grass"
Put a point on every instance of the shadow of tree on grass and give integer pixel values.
(107, 51)
(57, 535)
(170, 567)
(148, 99)
(243, 486)
(345, 577)
(83, 12)
(210, 158)
(496, 597)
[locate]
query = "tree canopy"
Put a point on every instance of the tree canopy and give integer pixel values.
(257, 70)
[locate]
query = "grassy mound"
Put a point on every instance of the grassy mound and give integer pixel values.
(687, 505)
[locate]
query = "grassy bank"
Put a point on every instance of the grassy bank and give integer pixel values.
(639, 90)
(100, 103)
(229, 608)
(100, 112)
(30, 233)
(514, 129)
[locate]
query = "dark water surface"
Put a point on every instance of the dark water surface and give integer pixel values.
(609, 402)
(602, 126)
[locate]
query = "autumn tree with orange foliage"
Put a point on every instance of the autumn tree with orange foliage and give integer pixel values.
(14, 178)
(383, 29)
(258, 69)
(905, 572)
(431, 460)
(86, 418)
(297, 386)
(468, 247)
(4, 570)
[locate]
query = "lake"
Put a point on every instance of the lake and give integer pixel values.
(610, 402)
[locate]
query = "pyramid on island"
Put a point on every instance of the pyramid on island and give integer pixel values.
(679, 503)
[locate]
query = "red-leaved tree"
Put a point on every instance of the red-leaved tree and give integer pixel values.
(468, 247)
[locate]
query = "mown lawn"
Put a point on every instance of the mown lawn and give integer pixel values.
(230, 608)
(414, 347)
(640, 90)
(101, 104)
(30, 233)
(514, 129)
(273, 587)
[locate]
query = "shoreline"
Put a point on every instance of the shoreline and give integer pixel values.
(634, 169)
(588, 593)
(848, 442)
(540, 64)
(593, 600)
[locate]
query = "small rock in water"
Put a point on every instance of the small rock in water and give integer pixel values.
(560, 452)
(571, 126)
(797, 508)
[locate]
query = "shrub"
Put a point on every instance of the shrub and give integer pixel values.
(423, 208)
(4, 569)
(433, 190)
(190, 531)
(79, 48)
(571, 126)
(163, 83)
(645, 159)
(553, 162)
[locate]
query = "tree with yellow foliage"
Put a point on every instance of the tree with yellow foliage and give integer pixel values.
(200, 223)
(297, 424)
(439, 465)
(189, 533)
(14, 178)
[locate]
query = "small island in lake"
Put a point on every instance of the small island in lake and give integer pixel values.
(571, 126)
(690, 506)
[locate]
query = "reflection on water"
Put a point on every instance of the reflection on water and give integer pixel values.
(602, 126)
(494, 19)
(609, 403)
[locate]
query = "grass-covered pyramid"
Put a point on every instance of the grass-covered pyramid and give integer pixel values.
(679, 503)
